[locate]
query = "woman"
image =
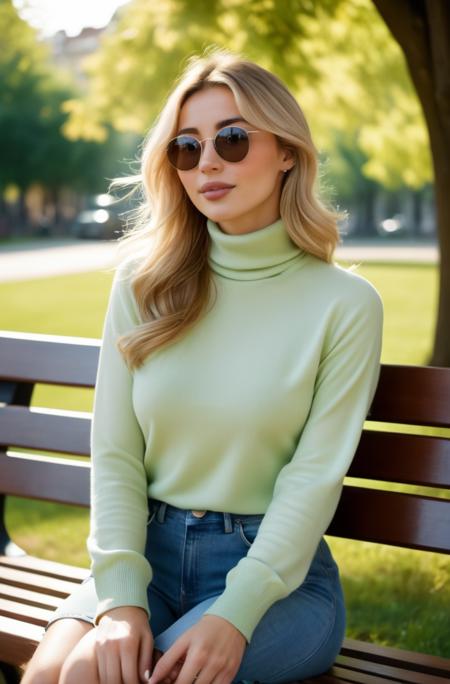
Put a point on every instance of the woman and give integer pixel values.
(237, 368)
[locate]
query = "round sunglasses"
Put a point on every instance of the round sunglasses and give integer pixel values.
(231, 143)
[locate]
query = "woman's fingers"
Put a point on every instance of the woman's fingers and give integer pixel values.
(192, 667)
(129, 660)
(146, 655)
(167, 662)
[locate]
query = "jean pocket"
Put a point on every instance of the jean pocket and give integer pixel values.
(248, 529)
(151, 516)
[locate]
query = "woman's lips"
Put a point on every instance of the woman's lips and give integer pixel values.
(216, 194)
(215, 190)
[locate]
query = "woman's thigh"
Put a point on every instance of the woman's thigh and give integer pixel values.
(300, 635)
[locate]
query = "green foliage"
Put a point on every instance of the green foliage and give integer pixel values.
(363, 99)
(32, 118)
(151, 43)
(338, 58)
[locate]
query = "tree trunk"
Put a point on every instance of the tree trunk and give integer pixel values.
(422, 29)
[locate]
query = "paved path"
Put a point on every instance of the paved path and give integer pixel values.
(36, 259)
(40, 258)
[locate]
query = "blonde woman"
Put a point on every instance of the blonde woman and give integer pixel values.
(237, 368)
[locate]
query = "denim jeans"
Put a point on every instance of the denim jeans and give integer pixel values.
(191, 552)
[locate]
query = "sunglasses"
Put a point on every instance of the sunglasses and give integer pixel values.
(231, 143)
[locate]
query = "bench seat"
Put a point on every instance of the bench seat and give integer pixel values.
(31, 588)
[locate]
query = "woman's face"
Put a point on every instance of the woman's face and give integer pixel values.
(253, 199)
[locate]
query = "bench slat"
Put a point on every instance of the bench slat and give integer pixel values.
(45, 567)
(428, 404)
(339, 674)
(409, 520)
(45, 585)
(55, 360)
(324, 679)
(27, 613)
(63, 481)
(33, 429)
(18, 640)
(33, 598)
(387, 654)
(409, 459)
(395, 673)
(353, 677)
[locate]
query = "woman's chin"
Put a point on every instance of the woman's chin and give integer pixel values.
(219, 214)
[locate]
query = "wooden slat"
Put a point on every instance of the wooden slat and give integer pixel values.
(18, 640)
(324, 679)
(357, 677)
(44, 585)
(397, 656)
(390, 672)
(64, 481)
(396, 457)
(40, 566)
(27, 613)
(58, 431)
(52, 359)
(361, 677)
(412, 521)
(32, 598)
(418, 395)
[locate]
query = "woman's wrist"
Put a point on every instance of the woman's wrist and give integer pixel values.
(122, 612)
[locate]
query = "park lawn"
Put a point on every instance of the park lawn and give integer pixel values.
(395, 597)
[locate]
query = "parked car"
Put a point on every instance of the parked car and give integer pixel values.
(100, 220)
(395, 225)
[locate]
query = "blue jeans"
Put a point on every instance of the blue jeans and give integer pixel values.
(191, 552)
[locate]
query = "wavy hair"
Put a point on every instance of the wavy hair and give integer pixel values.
(171, 280)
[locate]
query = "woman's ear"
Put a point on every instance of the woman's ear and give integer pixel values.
(288, 159)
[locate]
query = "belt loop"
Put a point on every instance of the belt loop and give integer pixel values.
(161, 512)
(228, 522)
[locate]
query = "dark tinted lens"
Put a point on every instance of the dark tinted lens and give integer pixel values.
(232, 143)
(184, 152)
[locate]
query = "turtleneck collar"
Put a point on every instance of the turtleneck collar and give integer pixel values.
(262, 253)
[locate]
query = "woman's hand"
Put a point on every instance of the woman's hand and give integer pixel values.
(213, 648)
(124, 646)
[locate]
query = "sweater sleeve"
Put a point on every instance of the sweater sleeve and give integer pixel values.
(307, 489)
(119, 507)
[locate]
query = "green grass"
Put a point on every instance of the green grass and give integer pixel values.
(395, 597)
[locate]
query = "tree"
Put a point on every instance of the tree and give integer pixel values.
(32, 117)
(422, 29)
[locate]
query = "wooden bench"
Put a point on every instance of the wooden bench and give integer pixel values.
(31, 588)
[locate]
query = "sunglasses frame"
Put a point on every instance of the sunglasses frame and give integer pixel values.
(200, 142)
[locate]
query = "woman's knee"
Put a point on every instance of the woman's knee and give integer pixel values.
(78, 669)
(56, 645)
(81, 664)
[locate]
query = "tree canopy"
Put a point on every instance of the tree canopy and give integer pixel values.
(339, 59)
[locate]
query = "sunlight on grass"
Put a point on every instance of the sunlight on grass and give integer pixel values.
(395, 597)
(409, 294)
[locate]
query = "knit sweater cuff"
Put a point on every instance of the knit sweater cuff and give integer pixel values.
(251, 588)
(120, 587)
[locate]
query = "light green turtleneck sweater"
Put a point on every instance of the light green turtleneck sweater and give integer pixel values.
(257, 409)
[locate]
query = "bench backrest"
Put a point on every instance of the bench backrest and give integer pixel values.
(412, 396)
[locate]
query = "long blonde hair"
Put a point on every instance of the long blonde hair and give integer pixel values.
(171, 280)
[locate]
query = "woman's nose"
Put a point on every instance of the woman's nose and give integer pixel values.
(209, 159)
